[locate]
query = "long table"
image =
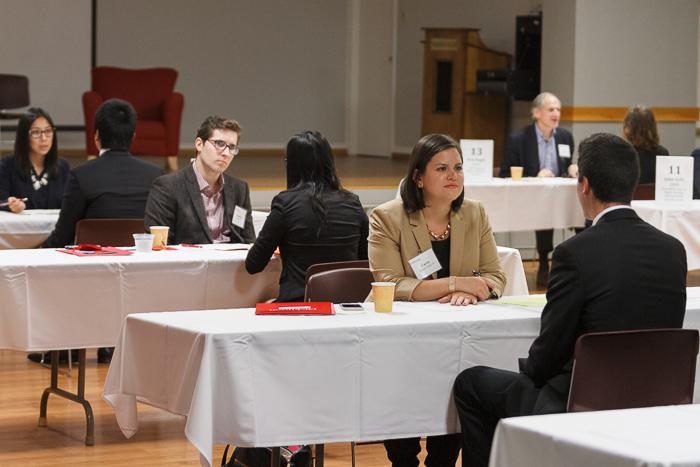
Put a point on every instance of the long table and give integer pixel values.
(51, 300)
(681, 220)
(654, 436)
(275, 380)
(528, 204)
(31, 227)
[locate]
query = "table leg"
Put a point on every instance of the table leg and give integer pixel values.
(275, 457)
(79, 397)
(318, 461)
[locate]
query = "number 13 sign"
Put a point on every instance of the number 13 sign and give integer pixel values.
(674, 178)
(478, 159)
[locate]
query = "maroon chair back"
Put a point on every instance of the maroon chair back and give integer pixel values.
(108, 232)
(620, 370)
(320, 267)
(644, 191)
(339, 285)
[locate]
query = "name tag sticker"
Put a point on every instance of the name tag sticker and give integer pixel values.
(564, 151)
(239, 217)
(425, 264)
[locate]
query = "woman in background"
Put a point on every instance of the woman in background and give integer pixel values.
(313, 221)
(433, 218)
(34, 171)
(639, 128)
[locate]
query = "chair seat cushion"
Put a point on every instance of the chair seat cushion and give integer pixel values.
(150, 129)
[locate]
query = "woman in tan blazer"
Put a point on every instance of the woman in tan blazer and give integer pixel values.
(433, 216)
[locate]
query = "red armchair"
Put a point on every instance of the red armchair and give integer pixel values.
(158, 108)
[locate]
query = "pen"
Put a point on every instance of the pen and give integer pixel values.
(476, 273)
(7, 203)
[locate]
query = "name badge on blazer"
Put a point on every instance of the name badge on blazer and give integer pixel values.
(425, 264)
(564, 151)
(239, 217)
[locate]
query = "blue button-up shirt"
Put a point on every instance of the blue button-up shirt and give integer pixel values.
(547, 151)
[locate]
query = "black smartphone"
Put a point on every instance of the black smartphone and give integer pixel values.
(351, 306)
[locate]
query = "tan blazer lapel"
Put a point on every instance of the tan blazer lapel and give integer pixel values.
(458, 231)
(420, 233)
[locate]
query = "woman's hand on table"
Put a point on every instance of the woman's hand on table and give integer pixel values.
(15, 205)
(479, 287)
(459, 299)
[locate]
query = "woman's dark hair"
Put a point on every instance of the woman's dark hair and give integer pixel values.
(310, 164)
(423, 151)
(640, 129)
(22, 162)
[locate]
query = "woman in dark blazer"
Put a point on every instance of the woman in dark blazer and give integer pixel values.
(34, 171)
(313, 221)
(639, 128)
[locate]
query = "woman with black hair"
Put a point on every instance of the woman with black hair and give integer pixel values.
(34, 172)
(313, 221)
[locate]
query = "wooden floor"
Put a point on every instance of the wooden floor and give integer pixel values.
(159, 441)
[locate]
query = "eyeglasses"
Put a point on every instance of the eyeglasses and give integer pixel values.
(36, 133)
(221, 145)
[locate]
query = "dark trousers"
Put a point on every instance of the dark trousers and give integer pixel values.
(544, 242)
(484, 395)
(442, 451)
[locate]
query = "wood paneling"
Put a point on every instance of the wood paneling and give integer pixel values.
(617, 114)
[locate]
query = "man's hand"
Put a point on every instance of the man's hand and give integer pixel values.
(459, 299)
(16, 205)
(545, 173)
(573, 171)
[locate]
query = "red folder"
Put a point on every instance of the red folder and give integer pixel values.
(295, 308)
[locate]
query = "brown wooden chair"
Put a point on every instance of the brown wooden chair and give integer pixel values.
(320, 267)
(620, 370)
(339, 285)
(644, 191)
(108, 232)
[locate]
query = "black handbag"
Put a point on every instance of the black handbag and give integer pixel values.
(262, 457)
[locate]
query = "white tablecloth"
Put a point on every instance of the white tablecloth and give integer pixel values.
(27, 229)
(53, 300)
(680, 220)
(31, 227)
(528, 204)
(512, 264)
(656, 436)
(278, 380)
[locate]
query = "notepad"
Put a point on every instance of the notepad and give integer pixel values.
(295, 308)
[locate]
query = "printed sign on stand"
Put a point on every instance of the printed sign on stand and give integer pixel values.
(674, 179)
(478, 159)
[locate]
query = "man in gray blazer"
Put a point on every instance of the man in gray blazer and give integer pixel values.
(200, 203)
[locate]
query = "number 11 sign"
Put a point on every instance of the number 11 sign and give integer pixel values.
(674, 178)
(478, 159)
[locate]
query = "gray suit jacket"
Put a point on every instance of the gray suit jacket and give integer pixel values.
(175, 201)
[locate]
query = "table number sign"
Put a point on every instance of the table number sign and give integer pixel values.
(478, 159)
(674, 179)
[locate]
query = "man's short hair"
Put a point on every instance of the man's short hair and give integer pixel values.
(611, 166)
(538, 101)
(216, 122)
(115, 121)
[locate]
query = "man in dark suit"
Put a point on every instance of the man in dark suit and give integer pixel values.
(542, 149)
(620, 274)
(200, 203)
(115, 185)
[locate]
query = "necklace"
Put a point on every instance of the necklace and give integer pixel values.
(37, 183)
(441, 236)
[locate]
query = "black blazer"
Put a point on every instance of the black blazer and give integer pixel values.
(621, 274)
(12, 183)
(113, 186)
(522, 150)
(292, 225)
(175, 201)
(647, 163)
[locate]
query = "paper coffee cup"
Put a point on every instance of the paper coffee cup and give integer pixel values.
(383, 294)
(516, 172)
(143, 242)
(160, 235)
